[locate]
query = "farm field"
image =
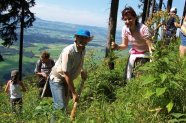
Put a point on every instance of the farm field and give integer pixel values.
(31, 55)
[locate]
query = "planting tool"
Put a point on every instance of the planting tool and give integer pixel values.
(72, 115)
(46, 90)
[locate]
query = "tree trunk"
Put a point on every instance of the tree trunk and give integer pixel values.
(144, 11)
(160, 5)
(159, 9)
(21, 42)
(1, 58)
(112, 27)
(169, 5)
(148, 9)
(152, 7)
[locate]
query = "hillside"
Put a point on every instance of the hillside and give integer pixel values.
(157, 95)
(47, 35)
(56, 32)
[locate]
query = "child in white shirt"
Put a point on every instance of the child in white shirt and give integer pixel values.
(14, 88)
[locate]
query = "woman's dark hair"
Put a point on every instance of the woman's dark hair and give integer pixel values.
(129, 11)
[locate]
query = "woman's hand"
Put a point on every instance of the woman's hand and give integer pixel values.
(114, 46)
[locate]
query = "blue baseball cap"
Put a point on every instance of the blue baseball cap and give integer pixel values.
(83, 32)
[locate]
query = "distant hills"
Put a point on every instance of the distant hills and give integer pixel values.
(46, 35)
(48, 32)
(58, 32)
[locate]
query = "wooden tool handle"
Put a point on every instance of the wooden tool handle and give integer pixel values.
(72, 115)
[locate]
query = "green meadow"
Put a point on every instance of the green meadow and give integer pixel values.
(157, 95)
(30, 57)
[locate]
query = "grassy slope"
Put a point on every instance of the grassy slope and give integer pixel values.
(106, 99)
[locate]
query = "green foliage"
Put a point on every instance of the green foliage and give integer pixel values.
(178, 118)
(158, 95)
(165, 82)
(12, 14)
(44, 109)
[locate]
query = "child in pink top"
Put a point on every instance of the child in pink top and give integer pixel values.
(138, 36)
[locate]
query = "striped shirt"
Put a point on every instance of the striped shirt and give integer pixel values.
(44, 67)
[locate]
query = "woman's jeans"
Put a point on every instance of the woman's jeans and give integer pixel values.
(58, 90)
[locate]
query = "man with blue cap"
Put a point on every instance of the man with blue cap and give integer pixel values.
(68, 66)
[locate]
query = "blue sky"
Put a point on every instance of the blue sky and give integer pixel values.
(87, 12)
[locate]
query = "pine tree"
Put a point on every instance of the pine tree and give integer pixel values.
(15, 14)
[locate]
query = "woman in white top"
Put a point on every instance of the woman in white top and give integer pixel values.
(14, 88)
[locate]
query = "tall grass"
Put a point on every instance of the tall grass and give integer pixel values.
(157, 95)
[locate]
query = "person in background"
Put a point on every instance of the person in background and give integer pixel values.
(67, 68)
(139, 36)
(182, 48)
(43, 69)
(14, 88)
(171, 26)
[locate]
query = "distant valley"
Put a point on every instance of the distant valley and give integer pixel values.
(47, 35)
(58, 32)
